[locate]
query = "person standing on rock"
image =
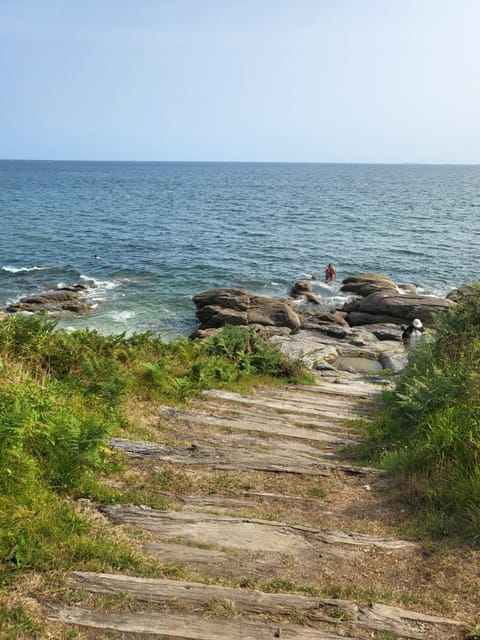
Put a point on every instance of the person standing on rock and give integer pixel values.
(330, 273)
(412, 332)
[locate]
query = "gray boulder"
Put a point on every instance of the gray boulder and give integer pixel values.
(59, 302)
(383, 307)
(319, 317)
(237, 299)
(303, 288)
(363, 284)
(218, 307)
(393, 360)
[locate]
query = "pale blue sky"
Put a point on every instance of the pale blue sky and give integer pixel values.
(260, 80)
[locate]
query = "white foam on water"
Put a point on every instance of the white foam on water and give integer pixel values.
(101, 284)
(10, 269)
(122, 316)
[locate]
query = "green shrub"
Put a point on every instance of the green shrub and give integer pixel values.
(430, 424)
(251, 354)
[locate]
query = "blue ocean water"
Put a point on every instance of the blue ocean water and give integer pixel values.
(168, 230)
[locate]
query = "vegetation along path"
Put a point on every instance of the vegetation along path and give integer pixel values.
(267, 530)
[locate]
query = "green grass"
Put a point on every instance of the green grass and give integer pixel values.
(428, 428)
(62, 395)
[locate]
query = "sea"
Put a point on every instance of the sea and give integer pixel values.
(150, 235)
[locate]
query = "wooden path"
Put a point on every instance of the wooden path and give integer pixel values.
(289, 519)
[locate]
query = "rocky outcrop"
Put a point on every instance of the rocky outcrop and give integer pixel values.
(219, 307)
(366, 329)
(303, 289)
(364, 284)
(378, 299)
(312, 319)
(383, 307)
(56, 302)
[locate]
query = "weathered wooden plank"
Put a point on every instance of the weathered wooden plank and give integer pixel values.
(239, 458)
(290, 401)
(186, 627)
(341, 386)
(160, 590)
(275, 427)
(401, 622)
(248, 533)
(261, 414)
(236, 459)
(375, 616)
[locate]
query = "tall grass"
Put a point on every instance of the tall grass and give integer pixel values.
(62, 394)
(429, 426)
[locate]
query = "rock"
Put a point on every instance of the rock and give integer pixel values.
(202, 334)
(386, 331)
(237, 299)
(219, 307)
(273, 311)
(332, 331)
(364, 284)
(308, 346)
(466, 291)
(303, 288)
(384, 307)
(407, 288)
(262, 330)
(319, 317)
(267, 331)
(213, 317)
(324, 366)
(393, 361)
(56, 302)
(357, 318)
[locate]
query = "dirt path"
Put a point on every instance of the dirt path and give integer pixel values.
(282, 536)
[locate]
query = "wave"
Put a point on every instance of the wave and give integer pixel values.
(122, 316)
(10, 269)
(101, 284)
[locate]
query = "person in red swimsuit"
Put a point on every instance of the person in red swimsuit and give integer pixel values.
(330, 273)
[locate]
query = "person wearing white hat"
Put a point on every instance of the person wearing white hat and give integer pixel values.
(412, 332)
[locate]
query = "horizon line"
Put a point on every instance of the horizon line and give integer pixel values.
(336, 162)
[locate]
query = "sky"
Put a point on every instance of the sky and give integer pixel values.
(387, 81)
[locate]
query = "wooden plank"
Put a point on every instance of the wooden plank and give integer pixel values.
(294, 403)
(249, 533)
(161, 590)
(342, 386)
(400, 622)
(236, 459)
(277, 426)
(375, 616)
(296, 406)
(171, 626)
